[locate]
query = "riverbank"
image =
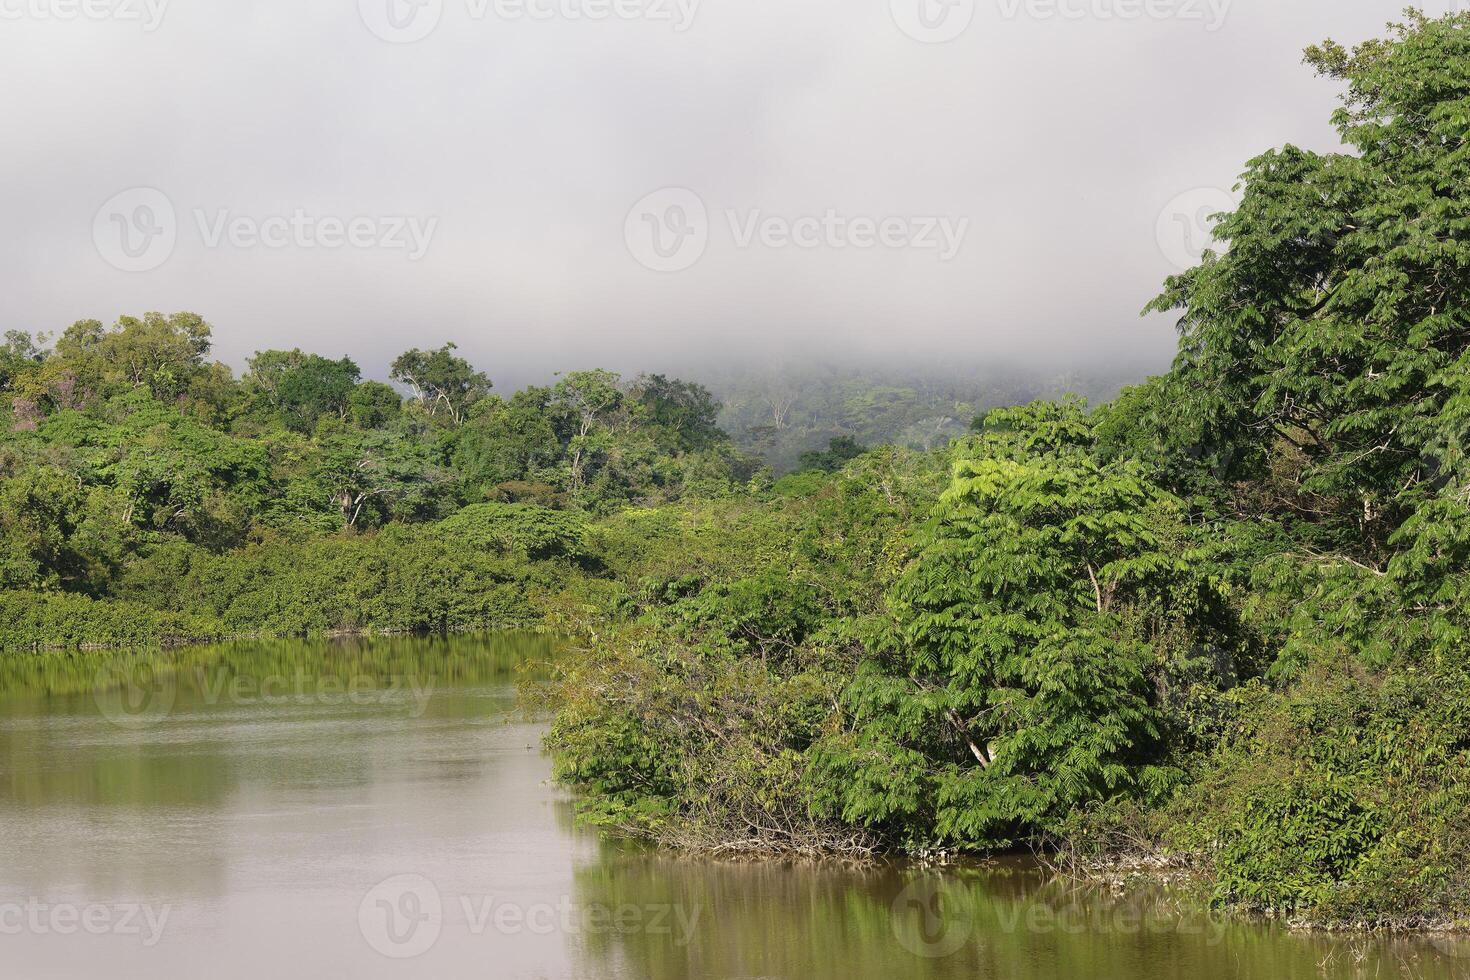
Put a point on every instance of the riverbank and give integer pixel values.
(454, 575)
(57, 622)
(1192, 873)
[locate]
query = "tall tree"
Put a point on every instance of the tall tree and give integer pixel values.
(387, 470)
(1336, 329)
(314, 388)
(683, 409)
(442, 382)
(373, 405)
(1016, 687)
(506, 441)
(585, 403)
(19, 354)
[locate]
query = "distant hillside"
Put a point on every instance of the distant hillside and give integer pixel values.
(780, 414)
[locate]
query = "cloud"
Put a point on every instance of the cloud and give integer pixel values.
(526, 131)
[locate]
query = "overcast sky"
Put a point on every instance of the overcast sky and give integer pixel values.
(571, 183)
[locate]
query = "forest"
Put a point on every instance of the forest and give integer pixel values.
(1217, 622)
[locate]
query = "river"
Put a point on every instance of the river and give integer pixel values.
(383, 808)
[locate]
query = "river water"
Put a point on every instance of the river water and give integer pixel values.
(383, 809)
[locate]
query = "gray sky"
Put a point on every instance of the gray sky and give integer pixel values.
(852, 184)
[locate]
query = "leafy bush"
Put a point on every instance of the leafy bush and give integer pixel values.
(532, 532)
(35, 621)
(1015, 685)
(1344, 799)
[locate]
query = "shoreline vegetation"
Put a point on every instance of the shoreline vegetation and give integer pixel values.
(1216, 624)
(1122, 873)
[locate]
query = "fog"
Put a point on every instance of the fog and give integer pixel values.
(559, 184)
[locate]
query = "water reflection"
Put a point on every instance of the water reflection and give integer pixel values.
(452, 661)
(381, 809)
(190, 726)
(1006, 918)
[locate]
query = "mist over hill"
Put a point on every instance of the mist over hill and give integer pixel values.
(780, 412)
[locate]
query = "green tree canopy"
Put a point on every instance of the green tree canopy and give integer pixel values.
(444, 384)
(686, 411)
(1337, 325)
(1016, 685)
(316, 387)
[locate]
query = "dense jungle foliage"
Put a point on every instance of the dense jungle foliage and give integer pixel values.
(1221, 618)
(149, 494)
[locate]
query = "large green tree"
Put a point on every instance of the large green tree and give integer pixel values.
(445, 384)
(1335, 331)
(165, 353)
(506, 441)
(315, 388)
(1015, 685)
(686, 412)
(587, 407)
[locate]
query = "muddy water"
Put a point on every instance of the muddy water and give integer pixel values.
(382, 809)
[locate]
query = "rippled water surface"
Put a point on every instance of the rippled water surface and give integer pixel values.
(382, 809)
